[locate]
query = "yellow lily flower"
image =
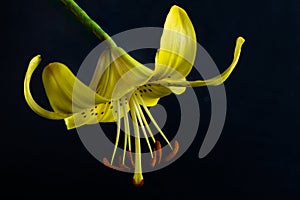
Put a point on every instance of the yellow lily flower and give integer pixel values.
(121, 85)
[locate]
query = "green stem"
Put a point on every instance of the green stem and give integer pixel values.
(88, 22)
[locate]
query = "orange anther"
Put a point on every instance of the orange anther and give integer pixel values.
(123, 165)
(174, 152)
(153, 161)
(159, 150)
(107, 164)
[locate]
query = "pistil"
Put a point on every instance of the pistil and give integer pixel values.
(137, 177)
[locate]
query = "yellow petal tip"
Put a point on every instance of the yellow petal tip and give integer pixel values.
(177, 9)
(35, 60)
(240, 40)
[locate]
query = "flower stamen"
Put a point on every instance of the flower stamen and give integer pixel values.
(118, 131)
(107, 164)
(159, 151)
(127, 130)
(142, 126)
(153, 121)
(173, 153)
(145, 121)
(123, 165)
(153, 161)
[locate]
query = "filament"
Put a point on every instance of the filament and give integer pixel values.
(154, 122)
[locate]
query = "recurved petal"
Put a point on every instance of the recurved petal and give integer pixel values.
(215, 81)
(177, 46)
(28, 96)
(223, 77)
(153, 91)
(65, 92)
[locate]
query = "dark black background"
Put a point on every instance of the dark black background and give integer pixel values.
(257, 156)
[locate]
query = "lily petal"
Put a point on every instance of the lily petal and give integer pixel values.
(28, 97)
(151, 93)
(215, 81)
(65, 92)
(117, 74)
(105, 112)
(177, 46)
(175, 58)
(157, 89)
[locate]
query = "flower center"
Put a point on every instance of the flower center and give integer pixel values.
(140, 126)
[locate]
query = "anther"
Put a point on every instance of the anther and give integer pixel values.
(174, 152)
(107, 164)
(123, 166)
(159, 150)
(153, 161)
